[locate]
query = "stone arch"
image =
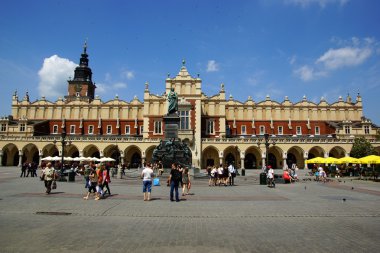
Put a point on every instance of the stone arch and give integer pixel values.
(232, 154)
(275, 157)
(252, 159)
(133, 156)
(149, 153)
(113, 152)
(71, 151)
(91, 151)
(30, 153)
(295, 155)
(210, 157)
(337, 152)
(50, 150)
(315, 151)
(10, 155)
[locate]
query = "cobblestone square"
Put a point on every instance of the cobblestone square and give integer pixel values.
(306, 216)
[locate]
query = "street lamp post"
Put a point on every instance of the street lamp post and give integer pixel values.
(267, 144)
(63, 142)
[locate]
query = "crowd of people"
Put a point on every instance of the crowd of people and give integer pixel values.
(223, 175)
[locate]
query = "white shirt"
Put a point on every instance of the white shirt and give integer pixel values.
(231, 169)
(147, 174)
(220, 170)
(270, 173)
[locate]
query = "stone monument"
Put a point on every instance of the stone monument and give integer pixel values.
(171, 149)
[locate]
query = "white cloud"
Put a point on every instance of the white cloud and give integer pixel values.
(53, 76)
(321, 3)
(293, 60)
(127, 74)
(342, 57)
(212, 66)
(101, 88)
(307, 73)
(119, 85)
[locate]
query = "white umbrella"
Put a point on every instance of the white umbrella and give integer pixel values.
(56, 158)
(106, 159)
(95, 159)
(68, 159)
(48, 158)
(78, 159)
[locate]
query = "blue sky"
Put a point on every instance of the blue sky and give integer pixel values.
(316, 48)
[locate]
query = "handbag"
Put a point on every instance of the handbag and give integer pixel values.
(42, 177)
(156, 181)
(54, 185)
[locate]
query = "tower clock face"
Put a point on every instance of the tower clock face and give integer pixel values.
(78, 87)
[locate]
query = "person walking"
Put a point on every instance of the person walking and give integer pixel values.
(185, 182)
(106, 180)
(270, 177)
(174, 179)
(49, 176)
(147, 176)
(231, 173)
(23, 169)
(93, 181)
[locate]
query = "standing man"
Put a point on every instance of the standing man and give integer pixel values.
(174, 179)
(147, 176)
(48, 177)
(232, 173)
(270, 177)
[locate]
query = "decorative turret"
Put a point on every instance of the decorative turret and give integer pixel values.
(82, 87)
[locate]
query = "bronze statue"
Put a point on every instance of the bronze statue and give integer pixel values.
(172, 102)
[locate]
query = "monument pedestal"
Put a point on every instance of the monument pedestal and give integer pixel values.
(171, 149)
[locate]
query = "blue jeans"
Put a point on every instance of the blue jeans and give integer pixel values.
(174, 186)
(147, 186)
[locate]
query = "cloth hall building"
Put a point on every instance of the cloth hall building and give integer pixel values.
(217, 129)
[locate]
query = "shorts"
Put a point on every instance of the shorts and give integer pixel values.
(147, 186)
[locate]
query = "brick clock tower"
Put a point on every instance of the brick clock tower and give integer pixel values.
(82, 87)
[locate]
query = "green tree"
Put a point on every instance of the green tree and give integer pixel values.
(361, 147)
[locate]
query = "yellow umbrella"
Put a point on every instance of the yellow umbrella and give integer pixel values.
(371, 159)
(316, 160)
(348, 159)
(331, 160)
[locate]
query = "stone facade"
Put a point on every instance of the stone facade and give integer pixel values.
(217, 129)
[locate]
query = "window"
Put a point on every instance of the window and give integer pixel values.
(22, 127)
(77, 94)
(55, 129)
(158, 127)
(243, 130)
(127, 130)
(280, 130)
(3, 128)
(109, 129)
(262, 130)
(210, 127)
(347, 129)
(91, 129)
(72, 129)
(366, 129)
(299, 130)
(141, 130)
(317, 130)
(185, 120)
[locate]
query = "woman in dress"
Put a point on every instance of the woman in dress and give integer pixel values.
(185, 182)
